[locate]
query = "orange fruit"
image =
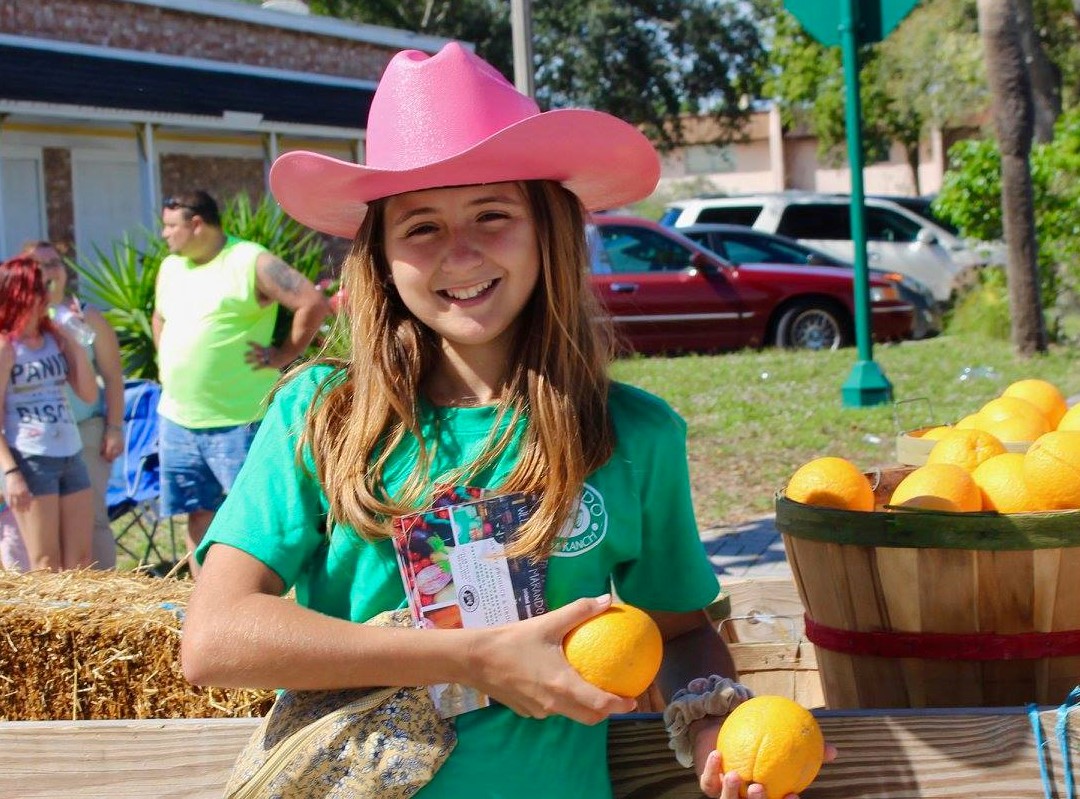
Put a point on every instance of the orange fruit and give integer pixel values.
(1001, 481)
(936, 433)
(1014, 429)
(1001, 408)
(618, 650)
(1043, 395)
(966, 448)
(831, 483)
(1052, 470)
(969, 422)
(938, 486)
(1071, 419)
(773, 741)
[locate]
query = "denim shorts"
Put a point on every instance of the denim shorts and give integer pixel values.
(46, 475)
(199, 466)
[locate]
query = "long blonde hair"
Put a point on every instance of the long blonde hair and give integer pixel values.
(559, 384)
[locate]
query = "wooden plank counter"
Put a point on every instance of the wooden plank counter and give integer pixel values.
(887, 754)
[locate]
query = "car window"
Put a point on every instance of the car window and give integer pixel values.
(885, 225)
(708, 240)
(811, 221)
(747, 250)
(669, 217)
(634, 249)
(598, 259)
(744, 215)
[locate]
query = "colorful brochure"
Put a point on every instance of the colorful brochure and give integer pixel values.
(456, 574)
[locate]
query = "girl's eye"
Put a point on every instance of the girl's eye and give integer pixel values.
(420, 230)
(493, 216)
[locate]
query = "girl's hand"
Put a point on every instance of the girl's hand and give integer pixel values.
(714, 782)
(522, 666)
(17, 491)
(112, 443)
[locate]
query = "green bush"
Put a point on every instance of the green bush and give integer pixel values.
(123, 278)
(984, 309)
(970, 198)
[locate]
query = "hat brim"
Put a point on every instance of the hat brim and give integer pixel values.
(606, 162)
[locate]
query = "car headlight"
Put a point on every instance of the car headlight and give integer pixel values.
(884, 293)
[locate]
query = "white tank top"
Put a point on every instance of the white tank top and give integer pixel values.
(37, 416)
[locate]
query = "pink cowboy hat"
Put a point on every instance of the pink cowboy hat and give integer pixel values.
(453, 120)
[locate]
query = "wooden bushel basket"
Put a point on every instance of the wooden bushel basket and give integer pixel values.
(931, 609)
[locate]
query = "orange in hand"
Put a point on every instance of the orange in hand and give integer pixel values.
(774, 741)
(618, 650)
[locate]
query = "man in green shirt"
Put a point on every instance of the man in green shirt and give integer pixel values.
(216, 301)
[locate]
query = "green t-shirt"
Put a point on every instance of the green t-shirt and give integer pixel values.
(212, 313)
(635, 528)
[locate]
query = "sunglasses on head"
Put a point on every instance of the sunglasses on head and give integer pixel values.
(172, 204)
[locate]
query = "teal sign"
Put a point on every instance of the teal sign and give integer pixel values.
(875, 18)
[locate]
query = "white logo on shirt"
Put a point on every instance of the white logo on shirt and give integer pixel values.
(586, 529)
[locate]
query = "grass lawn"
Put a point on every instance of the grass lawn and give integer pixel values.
(756, 416)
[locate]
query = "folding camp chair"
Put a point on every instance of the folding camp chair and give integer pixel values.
(134, 486)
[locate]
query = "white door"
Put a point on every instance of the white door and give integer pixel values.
(22, 205)
(107, 202)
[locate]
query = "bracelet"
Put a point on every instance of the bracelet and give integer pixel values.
(12, 470)
(117, 427)
(705, 696)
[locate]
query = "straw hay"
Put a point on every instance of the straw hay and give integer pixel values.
(101, 645)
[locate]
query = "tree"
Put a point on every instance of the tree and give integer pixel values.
(926, 74)
(650, 62)
(1044, 75)
(1014, 117)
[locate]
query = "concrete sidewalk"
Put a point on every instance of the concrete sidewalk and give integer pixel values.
(750, 549)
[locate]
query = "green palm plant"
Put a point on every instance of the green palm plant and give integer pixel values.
(122, 280)
(265, 223)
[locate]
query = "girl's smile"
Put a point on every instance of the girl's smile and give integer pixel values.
(470, 292)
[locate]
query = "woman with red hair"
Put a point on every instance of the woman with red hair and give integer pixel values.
(44, 478)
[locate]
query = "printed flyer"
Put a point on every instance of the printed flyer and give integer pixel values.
(453, 563)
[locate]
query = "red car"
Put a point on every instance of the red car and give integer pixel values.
(665, 293)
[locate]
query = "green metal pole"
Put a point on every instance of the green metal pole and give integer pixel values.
(867, 384)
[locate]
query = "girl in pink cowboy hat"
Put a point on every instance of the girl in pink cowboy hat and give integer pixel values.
(477, 363)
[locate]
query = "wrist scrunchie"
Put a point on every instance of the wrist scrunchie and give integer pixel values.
(705, 696)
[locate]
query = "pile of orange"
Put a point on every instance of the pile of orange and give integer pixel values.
(969, 467)
(1025, 410)
(619, 650)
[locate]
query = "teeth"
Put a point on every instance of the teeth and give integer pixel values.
(470, 292)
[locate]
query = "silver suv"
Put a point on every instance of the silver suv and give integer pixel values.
(897, 239)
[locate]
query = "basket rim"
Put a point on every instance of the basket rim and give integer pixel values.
(926, 529)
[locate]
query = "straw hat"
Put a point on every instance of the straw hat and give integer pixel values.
(453, 120)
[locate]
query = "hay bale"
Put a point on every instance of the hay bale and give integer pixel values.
(102, 645)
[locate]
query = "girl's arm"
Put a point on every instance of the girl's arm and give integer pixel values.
(239, 631)
(107, 355)
(695, 649)
(12, 481)
(80, 372)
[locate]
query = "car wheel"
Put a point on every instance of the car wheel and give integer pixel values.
(811, 325)
(920, 326)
